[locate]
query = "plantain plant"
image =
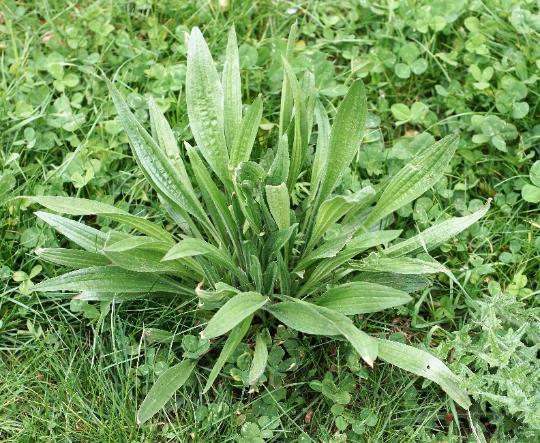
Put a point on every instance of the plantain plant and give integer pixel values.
(244, 255)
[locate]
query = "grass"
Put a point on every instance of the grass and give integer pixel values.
(67, 377)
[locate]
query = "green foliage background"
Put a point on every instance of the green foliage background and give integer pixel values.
(75, 371)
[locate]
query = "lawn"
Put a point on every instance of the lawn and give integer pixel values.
(77, 369)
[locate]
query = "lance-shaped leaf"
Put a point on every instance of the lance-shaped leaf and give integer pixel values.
(364, 344)
(72, 258)
(245, 137)
(159, 170)
(109, 296)
(415, 178)
(286, 107)
(193, 247)
(276, 241)
(232, 93)
(162, 132)
(317, 320)
(279, 170)
(109, 279)
(345, 137)
(260, 358)
(204, 98)
(362, 297)
(425, 365)
(437, 234)
(354, 247)
(303, 317)
(300, 130)
(321, 151)
(233, 312)
(399, 265)
(404, 282)
(278, 203)
(144, 254)
(164, 388)
(86, 237)
(83, 206)
(232, 342)
(213, 197)
(334, 208)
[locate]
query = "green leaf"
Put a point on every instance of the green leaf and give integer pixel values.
(204, 98)
(109, 296)
(436, 234)
(278, 203)
(75, 206)
(286, 106)
(399, 265)
(233, 312)
(279, 170)
(361, 298)
(425, 365)
(72, 258)
(213, 197)
(232, 93)
(530, 193)
(164, 388)
(86, 237)
(534, 173)
(299, 141)
(321, 152)
(403, 282)
(276, 240)
(191, 247)
(159, 170)
(233, 340)
(328, 249)
(260, 358)
(345, 137)
(415, 178)
(245, 137)
(401, 111)
(364, 344)
(144, 254)
(402, 70)
(303, 317)
(162, 132)
(331, 210)
(354, 247)
(109, 279)
(312, 319)
(82, 206)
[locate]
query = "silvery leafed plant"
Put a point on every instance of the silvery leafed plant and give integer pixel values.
(242, 257)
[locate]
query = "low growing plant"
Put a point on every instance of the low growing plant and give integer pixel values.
(245, 255)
